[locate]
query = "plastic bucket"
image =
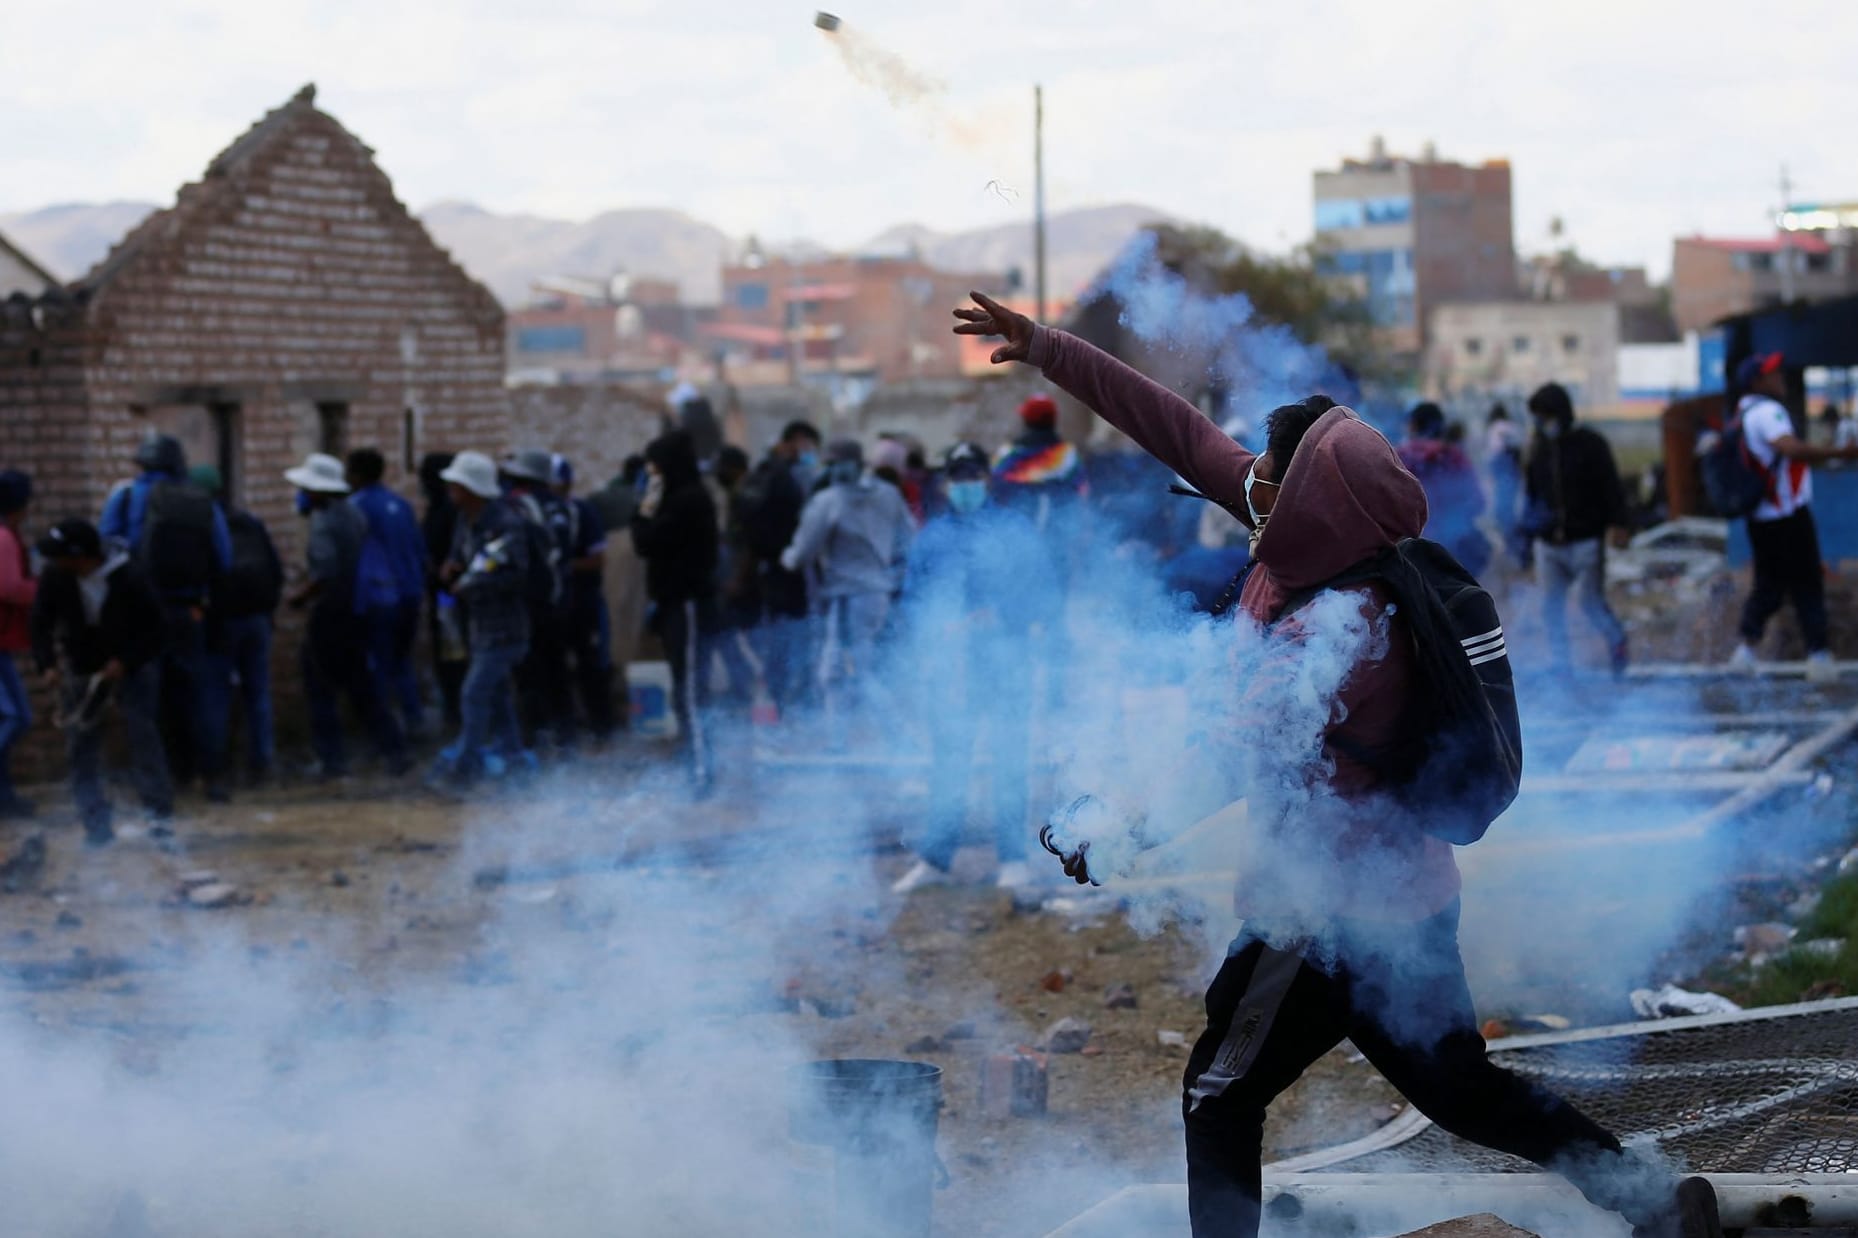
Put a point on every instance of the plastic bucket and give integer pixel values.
(648, 686)
(879, 1117)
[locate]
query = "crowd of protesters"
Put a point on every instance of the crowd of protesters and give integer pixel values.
(778, 578)
(777, 583)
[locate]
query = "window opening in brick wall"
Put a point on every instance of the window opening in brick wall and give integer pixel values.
(332, 429)
(409, 442)
(226, 448)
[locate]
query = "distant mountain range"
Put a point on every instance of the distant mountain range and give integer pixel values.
(511, 252)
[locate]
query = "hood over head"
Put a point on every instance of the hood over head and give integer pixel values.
(1345, 496)
(675, 454)
(162, 453)
(432, 467)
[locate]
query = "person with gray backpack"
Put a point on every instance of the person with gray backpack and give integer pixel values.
(179, 539)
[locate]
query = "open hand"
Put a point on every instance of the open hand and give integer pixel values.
(993, 319)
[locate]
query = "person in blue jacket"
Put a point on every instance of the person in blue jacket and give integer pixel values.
(979, 581)
(391, 587)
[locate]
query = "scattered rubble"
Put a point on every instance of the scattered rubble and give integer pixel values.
(22, 869)
(1014, 1085)
(1672, 1002)
(1120, 997)
(1066, 1036)
(965, 1030)
(1171, 1040)
(68, 919)
(830, 1007)
(213, 894)
(924, 1044)
(338, 879)
(81, 968)
(1055, 981)
(1760, 942)
(1483, 1225)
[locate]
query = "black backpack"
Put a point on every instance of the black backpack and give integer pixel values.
(254, 584)
(1734, 483)
(764, 508)
(542, 584)
(1459, 759)
(175, 547)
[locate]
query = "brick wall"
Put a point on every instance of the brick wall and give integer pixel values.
(595, 425)
(285, 295)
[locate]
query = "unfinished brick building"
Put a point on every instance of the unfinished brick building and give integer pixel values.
(286, 303)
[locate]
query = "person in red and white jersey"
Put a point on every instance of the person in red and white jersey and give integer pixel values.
(1781, 532)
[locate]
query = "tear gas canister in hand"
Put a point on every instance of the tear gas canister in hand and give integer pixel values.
(1093, 838)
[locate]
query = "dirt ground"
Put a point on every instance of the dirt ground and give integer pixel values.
(378, 899)
(375, 888)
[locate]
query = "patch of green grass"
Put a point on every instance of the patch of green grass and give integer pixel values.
(1837, 913)
(1800, 975)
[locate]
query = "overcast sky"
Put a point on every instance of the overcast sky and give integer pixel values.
(1632, 120)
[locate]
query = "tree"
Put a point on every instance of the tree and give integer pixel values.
(1288, 291)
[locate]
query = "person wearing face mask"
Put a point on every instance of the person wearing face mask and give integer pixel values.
(1454, 499)
(853, 539)
(970, 602)
(1571, 498)
(765, 506)
(1349, 911)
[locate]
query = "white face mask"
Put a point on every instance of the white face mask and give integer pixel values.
(1258, 520)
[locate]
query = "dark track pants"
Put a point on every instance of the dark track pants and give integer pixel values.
(1398, 992)
(334, 658)
(684, 628)
(1787, 565)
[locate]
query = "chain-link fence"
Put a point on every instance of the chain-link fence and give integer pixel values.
(1771, 1091)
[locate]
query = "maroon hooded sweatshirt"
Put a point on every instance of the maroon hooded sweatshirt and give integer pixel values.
(1344, 497)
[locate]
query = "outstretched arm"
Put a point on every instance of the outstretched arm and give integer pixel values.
(809, 537)
(1160, 421)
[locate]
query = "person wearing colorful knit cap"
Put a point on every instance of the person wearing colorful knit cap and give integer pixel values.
(1039, 471)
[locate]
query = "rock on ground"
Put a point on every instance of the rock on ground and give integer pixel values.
(1483, 1225)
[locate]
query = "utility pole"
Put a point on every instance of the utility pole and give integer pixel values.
(1786, 254)
(1038, 203)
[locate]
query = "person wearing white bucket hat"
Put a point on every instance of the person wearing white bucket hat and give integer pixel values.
(487, 571)
(318, 474)
(334, 653)
(473, 472)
